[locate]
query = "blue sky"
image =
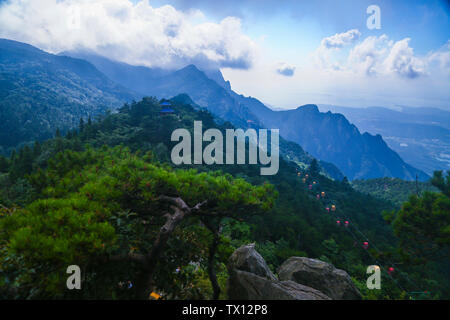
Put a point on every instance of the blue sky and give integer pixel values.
(286, 53)
(425, 21)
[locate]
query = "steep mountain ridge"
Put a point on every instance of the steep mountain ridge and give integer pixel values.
(370, 156)
(329, 137)
(207, 91)
(60, 90)
(421, 136)
(333, 138)
(140, 78)
(41, 92)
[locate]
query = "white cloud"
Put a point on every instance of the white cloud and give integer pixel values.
(135, 33)
(440, 59)
(401, 60)
(367, 56)
(372, 71)
(340, 40)
(323, 56)
(372, 56)
(348, 70)
(286, 69)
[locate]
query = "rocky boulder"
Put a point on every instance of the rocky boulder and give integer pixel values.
(319, 275)
(251, 279)
(248, 286)
(246, 258)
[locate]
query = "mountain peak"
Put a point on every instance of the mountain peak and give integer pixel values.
(19, 50)
(217, 76)
(17, 44)
(309, 107)
(189, 71)
(183, 98)
(190, 68)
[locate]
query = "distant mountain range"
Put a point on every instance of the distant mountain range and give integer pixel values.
(421, 136)
(204, 90)
(329, 137)
(41, 92)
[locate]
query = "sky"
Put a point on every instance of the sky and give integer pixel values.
(285, 53)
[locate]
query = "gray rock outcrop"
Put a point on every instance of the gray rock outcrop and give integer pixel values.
(246, 258)
(251, 279)
(319, 275)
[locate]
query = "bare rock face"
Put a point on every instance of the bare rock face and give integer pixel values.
(248, 286)
(319, 275)
(251, 279)
(246, 258)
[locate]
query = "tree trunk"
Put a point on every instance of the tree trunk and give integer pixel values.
(145, 284)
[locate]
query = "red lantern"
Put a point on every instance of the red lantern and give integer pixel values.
(365, 245)
(338, 222)
(346, 223)
(391, 270)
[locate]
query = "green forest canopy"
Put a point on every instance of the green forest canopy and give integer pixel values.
(91, 171)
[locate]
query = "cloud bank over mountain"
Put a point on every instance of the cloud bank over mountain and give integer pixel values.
(406, 62)
(136, 33)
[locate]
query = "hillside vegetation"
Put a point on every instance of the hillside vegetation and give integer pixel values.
(394, 190)
(40, 92)
(326, 136)
(101, 195)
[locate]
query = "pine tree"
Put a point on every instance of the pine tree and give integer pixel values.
(37, 149)
(81, 125)
(4, 164)
(314, 168)
(116, 212)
